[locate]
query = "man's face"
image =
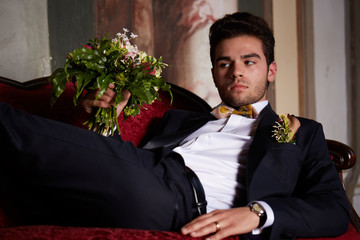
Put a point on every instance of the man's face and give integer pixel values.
(240, 70)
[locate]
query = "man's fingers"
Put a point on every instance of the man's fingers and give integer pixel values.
(127, 95)
(222, 223)
(208, 228)
(112, 85)
(101, 104)
(108, 96)
(106, 100)
(88, 105)
(122, 104)
(203, 225)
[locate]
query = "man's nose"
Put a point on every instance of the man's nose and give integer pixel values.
(237, 70)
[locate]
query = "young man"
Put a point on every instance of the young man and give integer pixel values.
(254, 186)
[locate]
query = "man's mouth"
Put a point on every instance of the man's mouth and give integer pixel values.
(238, 86)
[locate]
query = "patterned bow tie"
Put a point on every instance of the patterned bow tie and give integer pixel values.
(223, 111)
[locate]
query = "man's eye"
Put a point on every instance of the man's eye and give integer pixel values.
(249, 62)
(224, 65)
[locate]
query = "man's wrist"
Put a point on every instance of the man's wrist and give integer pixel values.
(259, 210)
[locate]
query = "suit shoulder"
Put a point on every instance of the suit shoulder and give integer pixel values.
(308, 122)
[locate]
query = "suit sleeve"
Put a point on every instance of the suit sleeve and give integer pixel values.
(318, 206)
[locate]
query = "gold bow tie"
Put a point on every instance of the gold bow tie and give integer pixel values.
(223, 111)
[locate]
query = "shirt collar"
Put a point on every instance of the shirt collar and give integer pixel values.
(259, 106)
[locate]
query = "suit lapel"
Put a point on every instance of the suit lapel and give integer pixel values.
(261, 141)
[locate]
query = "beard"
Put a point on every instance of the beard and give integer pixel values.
(240, 98)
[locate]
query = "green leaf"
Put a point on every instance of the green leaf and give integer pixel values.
(142, 94)
(84, 54)
(58, 81)
(119, 96)
(104, 85)
(83, 79)
(91, 59)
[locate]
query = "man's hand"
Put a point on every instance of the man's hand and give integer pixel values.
(105, 101)
(231, 222)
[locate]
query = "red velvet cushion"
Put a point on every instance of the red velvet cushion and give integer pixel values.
(37, 101)
(3, 220)
(69, 233)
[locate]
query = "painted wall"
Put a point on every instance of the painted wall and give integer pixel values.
(329, 63)
(330, 68)
(286, 56)
(71, 25)
(24, 39)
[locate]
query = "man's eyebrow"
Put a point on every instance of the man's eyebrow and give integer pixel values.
(250, 55)
(222, 58)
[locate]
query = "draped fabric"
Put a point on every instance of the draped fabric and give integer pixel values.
(176, 30)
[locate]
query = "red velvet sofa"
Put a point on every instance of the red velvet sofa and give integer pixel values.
(33, 97)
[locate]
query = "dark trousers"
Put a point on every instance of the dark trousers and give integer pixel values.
(54, 173)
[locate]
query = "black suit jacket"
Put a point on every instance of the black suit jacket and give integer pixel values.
(298, 181)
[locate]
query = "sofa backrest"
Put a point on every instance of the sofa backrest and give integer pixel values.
(34, 97)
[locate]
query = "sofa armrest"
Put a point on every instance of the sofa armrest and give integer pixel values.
(344, 158)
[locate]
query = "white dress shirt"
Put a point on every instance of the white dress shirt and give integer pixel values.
(217, 153)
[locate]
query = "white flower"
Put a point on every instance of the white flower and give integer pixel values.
(133, 35)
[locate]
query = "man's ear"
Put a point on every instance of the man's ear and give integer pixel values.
(272, 72)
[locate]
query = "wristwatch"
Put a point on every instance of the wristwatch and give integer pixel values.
(259, 210)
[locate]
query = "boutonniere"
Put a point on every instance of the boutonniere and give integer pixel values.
(285, 128)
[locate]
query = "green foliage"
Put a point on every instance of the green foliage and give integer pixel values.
(105, 61)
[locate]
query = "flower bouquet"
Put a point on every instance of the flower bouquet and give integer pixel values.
(111, 60)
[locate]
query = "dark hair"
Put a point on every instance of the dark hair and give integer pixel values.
(238, 24)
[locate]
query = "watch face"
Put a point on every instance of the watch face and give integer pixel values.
(260, 211)
(258, 208)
